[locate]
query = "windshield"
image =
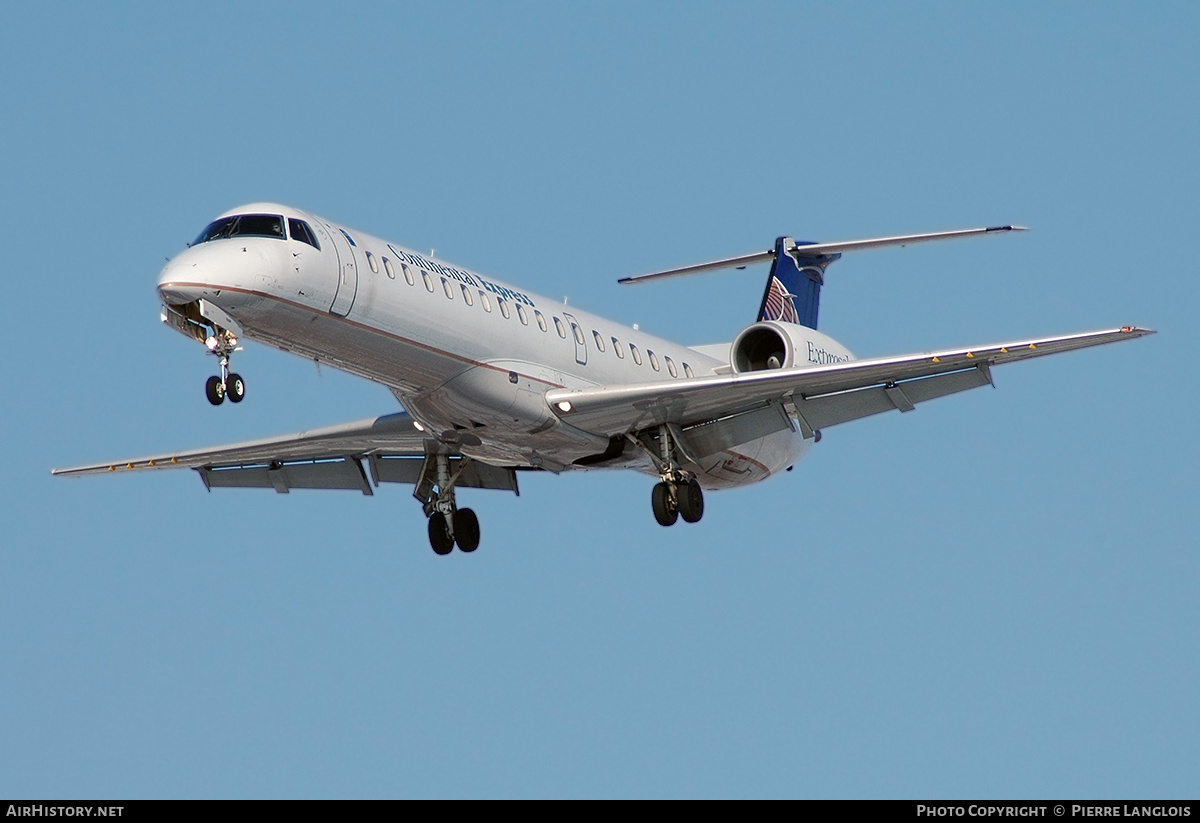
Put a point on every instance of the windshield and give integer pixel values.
(243, 225)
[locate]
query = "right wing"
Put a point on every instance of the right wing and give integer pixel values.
(329, 458)
(820, 396)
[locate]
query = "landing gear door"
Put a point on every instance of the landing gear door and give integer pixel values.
(347, 283)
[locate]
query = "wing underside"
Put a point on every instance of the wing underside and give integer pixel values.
(353, 456)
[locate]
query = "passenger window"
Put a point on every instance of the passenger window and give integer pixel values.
(371, 261)
(558, 326)
(653, 360)
(671, 366)
(541, 320)
(503, 304)
(637, 355)
(301, 231)
(599, 340)
(408, 275)
(387, 266)
(428, 281)
(467, 296)
(446, 288)
(617, 348)
(578, 334)
(688, 370)
(522, 315)
(487, 301)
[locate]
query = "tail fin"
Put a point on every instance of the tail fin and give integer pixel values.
(793, 292)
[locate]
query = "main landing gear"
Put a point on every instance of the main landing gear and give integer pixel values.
(672, 500)
(678, 493)
(448, 524)
(460, 526)
(223, 344)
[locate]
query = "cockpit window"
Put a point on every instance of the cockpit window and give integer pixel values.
(300, 231)
(243, 225)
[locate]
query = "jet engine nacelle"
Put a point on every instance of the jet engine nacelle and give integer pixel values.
(766, 345)
(772, 344)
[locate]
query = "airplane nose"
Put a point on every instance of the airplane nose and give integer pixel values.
(179, 284)
(204, 271)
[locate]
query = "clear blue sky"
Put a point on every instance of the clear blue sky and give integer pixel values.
(993, 596)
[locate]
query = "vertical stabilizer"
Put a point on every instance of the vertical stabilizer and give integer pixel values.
(793, 292)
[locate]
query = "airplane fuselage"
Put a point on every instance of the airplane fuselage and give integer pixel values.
(469, 357)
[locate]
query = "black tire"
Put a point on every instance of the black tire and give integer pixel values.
(235, 388)
(662, 500)
(691, 501)
(214, 390)
(466, 530)
(439, 534)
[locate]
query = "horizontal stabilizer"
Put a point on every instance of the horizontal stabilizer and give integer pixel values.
(814, 249)
(817, 250)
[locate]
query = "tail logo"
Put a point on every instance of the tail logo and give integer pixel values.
(778, 304)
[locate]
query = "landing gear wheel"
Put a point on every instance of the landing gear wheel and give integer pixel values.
(691, 501)
(215, 390)
(662, 499)
(235, 388)
(466, 530)
(439, 534)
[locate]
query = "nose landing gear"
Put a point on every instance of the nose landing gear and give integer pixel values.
(223, 344)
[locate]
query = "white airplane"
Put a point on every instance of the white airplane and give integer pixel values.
(495, 380)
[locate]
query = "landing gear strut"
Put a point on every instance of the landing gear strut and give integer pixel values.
(223, 344)
(448, 524)
(678, 493)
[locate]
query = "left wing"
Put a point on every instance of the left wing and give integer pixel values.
(820, 396)
(329, 458)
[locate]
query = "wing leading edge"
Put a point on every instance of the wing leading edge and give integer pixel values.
(820, 396)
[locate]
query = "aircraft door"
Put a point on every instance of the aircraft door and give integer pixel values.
(347, 284)
(580, 340)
